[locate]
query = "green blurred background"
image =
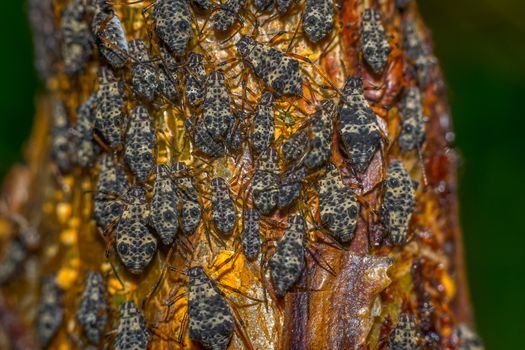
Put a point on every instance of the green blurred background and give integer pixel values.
(481, 47)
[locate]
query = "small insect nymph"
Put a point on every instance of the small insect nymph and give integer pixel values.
(143, 74)
(92, 313)
(140, 140)
(263, 133)
(217, 114)
(131, 329)
(195, 79)
(374, 43)
(61, 147)
(109, 34)
(77, 43)
(412, 121)
(173, 24)
(320, 143)
(227, 14)
(191, 209)
(251, 234)
(265, 183)
(165, 205)
(109, 116)
(318, 19)
(404, 335)
(223, 210)
(50, 311)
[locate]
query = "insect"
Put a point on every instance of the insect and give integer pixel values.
(173, 20)
(277, 70)
(374, 43)
(86, 149)
(358, 129)
(284, 5)
(50, 311)
(288, 261)
(195, 79)
(134, 241)
(265, 185)
(291, 187)
(412, 121)
(203, 5)
(217, 113)
(143, 74)
(338, 207)
(165, 205)
(61, 147)
(168, 81)
(131, 329)
(417, 51)
(228, 12)
(92, 313)
(320, 143)
(203, 140)
(318, 19)
(191, 209)
(263, 5)
(251, 233)
(140, 141)
(108, 114)
(211, 319)
(263, 132)
(398, 203)
(15, 255)
(404, 336)
(467, 339)
(111, 181)
(295, 146)
(223, 210)
(77, 43)
(109, 34)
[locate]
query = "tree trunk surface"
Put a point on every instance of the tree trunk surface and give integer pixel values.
(371, 292)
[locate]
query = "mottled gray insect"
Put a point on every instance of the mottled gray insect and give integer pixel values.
(320, 143)
(14, 257)
(277, 70)
(251, 234)
(108, 114)
(50, 311)
(84, 145)
(92, 313)
(291, 187)
(167, 73)
(263, 5)
(227, 14)
(109, 34)
(77, 40)
(143, 74)
(417, 51)
(467, 338)
(165, 205)
(191, 209)
(111, 182)
(358, 127)
(140, 141)
(265, 183)
(210, 316)
(203, 5)
(131, 330)
(173, 20)
(338, 208)
(318, 19)
(61, 145)
(404, 335)
(294, 148)
(398, 203)
(217, 114)
(222, 207)
(195, 79)
(374, 43)
(412, 132)
(284, 5)
(263, 133)
(135, 244)
(288, 261)
(202, 139)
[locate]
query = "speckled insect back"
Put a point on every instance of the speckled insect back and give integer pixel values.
(195, 79)
(203, 140)
(109, 34)
(173, 24)
(277, 70)
(284, 5)
(210, 317)
(263, 5)
(217, 114)
(84, 145)
(140, 141)
(201, 5)
(135, 244)
(412, 132)
(338, 207)
(112, 182)
(417, 51)
(320, 143)
(263, 133)
(288, 261)
(143, 74)
(251, 234)
(168, 84)
(191, 210)
(92, 312)
(374, 42)
(265, 182)
(358, 128)
(318, 19)
(398, 203)
(132, 333)
(61, 148)
(294, 148)
(109, 116)
(222, 207)
(77, 43)
(291, 187)
(227, 14)
(404, 335)
(15, 255)
(50, 311)
(165, 205)
(466, 338)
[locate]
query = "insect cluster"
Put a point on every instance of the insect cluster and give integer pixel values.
(145, 201)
